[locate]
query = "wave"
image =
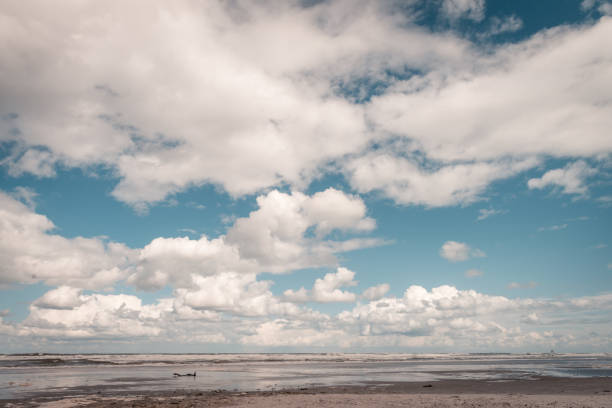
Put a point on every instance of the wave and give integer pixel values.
(53, 360)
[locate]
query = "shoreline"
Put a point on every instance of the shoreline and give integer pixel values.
(535, 392)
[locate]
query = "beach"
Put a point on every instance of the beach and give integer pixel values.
(538, 392)
(306, 380)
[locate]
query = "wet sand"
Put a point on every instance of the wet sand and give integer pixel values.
(539, 392)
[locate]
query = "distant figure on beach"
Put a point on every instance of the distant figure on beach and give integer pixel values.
(185, 375)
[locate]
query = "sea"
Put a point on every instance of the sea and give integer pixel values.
(30, 375)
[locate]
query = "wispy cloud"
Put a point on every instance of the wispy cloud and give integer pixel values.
(485, 213)
(473, 273)
(459, 251)
(522, 285)
(553, 228)
(26, 195)
(507, 24)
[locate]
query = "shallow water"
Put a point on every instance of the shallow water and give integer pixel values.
(24, 376)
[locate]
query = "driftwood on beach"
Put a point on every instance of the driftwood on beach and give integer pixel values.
(185, 375)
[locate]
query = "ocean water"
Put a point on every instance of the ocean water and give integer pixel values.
(24, 376)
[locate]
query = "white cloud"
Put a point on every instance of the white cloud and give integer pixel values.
(30, 252)
(553, 228)
(176, 260)
(375, 292)
(37, 162)
(571, 179)
(423, 313)
(531, 318)
(273, 238)
(171, 141)
(587, 4)
(522, 285)
(63, 297)
(159, 118)
(603, 6)
(327, 290)
(26, 195)
(422, 319)
(92, 316)
(470, 9)
(606, 9)
(298, 296)
(473, 273)
(407, 183)
(605, 201)
(238, 294)
(275, 234)
(459, 122)
(459, 251)
(281, 332)
(504, 25)
(485, 213)
(560, 115)
(333, 209)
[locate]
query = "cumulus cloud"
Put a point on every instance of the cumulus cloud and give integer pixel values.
(274, 238)
(375, 292)
(30, 252)
(334, 209)
(282, 332)
(260, 82)
(175, 261)
(570, 179)
(221, 108)
(238, 294)
(214, 311)
(170, 142)
(327, 289)
(407, 183)
(531, 318)
(299, 296)
(566, 117)
(63, 297)
(57, 314)
(422, 313)
(459, 251)
(276, 234)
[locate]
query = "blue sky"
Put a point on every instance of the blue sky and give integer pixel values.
(388, 176)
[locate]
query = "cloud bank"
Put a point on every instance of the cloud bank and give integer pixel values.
(208, 93)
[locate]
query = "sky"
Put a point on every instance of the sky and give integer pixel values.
(306, 176)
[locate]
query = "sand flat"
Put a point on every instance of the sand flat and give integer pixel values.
(541, 392)
(348, 400)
